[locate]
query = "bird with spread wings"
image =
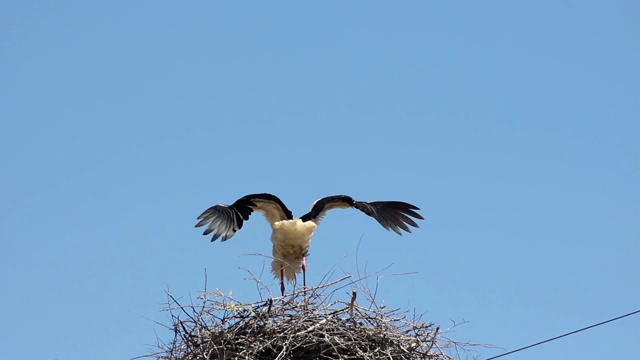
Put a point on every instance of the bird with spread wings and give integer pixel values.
(291, 237)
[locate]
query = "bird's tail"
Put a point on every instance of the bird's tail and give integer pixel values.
(290, 269)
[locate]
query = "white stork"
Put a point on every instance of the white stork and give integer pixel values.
(291, 237)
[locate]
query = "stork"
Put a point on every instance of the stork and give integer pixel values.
(291, 237)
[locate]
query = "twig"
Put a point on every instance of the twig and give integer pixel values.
(221, 327)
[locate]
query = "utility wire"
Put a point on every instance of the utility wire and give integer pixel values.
(563, 335)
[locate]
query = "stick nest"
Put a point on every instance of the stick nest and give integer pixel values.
(312, 323)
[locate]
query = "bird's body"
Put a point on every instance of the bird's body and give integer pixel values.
(291, 237)
(291, 240)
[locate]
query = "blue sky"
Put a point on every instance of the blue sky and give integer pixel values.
(514, 126)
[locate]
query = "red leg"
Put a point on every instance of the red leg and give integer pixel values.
(282, 279)
(304, 272)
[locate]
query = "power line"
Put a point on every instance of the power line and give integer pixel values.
(563, 335)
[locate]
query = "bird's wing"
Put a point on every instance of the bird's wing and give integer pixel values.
(224, 220)
(392, 215)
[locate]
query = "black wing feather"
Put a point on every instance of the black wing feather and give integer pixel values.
(392, 215)
(326, 203)
(225, 220)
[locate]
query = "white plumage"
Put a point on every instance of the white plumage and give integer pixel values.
(291, 240)
(291, 237)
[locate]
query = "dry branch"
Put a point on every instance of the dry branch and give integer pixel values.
(305, 324)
